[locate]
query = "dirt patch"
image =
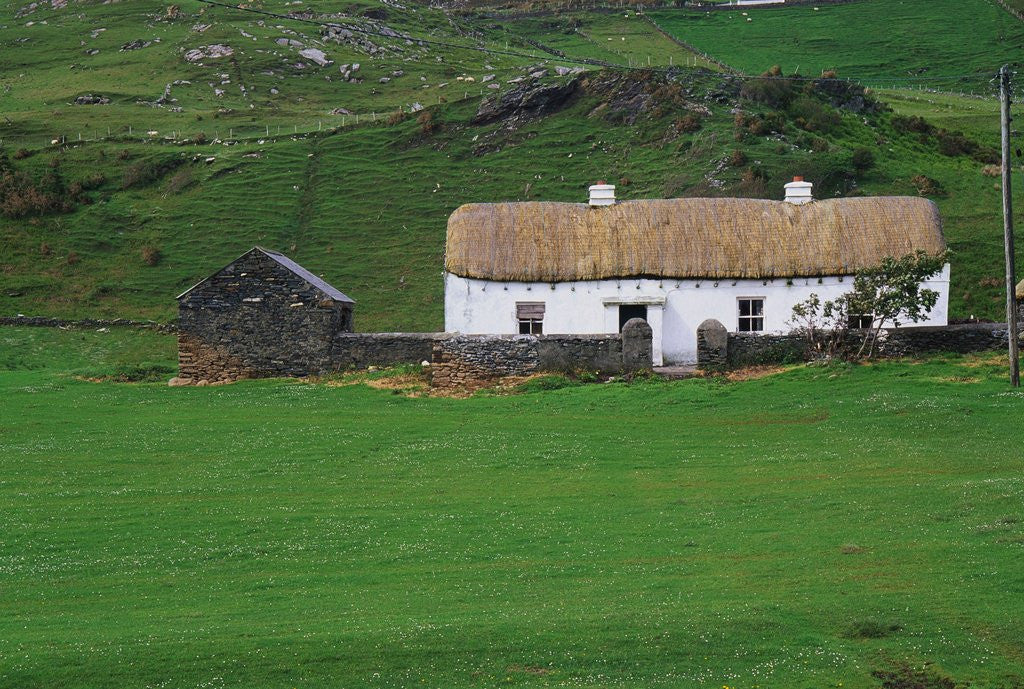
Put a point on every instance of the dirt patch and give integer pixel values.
(987, 359)
(400, 382)
(902, 675)
(530, 669)
(755, 372)
(960, 379)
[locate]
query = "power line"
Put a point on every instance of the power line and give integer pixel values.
(580, 61)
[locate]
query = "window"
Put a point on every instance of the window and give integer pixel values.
(628, 311)
(530, 315)
(858, 321)
(751, 314)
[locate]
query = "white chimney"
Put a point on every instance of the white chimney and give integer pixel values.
(798, 191)
(602, 194)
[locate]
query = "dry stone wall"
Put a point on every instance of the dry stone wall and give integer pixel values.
(737, 350)
(473, 360)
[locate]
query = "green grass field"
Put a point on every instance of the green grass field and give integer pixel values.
(806, 529)
(869, 39)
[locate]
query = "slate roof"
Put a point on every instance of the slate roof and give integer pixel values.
(319, 283)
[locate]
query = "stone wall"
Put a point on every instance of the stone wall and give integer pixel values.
(736, 350)
(47, 322)
(473, 360)
(360, 350)
(568, 353)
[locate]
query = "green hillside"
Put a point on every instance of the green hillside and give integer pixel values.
(118, 224)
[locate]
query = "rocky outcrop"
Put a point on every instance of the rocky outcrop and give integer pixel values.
(526, 102)
(90, 99)
(205, 52)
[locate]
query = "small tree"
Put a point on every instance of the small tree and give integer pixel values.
(824, 325)
(892, 293)
(889, 294)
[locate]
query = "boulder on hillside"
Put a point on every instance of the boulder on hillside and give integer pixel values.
(316, 55)
(209, 52)
(90, 99)
(526, 101)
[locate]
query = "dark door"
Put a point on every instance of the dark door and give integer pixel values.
(627, 311)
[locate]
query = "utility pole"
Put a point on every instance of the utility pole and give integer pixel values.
(1011, 282)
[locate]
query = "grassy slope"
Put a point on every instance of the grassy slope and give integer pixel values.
(624, 39)
(366, 205)
(278, 534)
(861, 39)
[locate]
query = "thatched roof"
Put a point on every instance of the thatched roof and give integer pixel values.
(686, 238)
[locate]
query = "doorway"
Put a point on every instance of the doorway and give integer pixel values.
(628, 311)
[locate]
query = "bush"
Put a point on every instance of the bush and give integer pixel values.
(926, 186)
(688, 123)
(956, 144)
(775, 93)
(397, 117)
(21, 197)
(426, 122)
(902, 123)
(73, 259)
(180, 180)
(151, 255)
(22, 153)
(863, 159)
(738, 158)
(93, 181)
(145, 172)
(812, 116)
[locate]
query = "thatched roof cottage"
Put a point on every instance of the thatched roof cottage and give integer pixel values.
(589, 267)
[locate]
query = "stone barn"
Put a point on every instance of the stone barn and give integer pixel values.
(261, 315)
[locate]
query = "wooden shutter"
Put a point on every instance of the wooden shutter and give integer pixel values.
(530, 310)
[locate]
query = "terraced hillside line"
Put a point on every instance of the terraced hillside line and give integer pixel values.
(692, 48)
(307, 194)
(1012, 10)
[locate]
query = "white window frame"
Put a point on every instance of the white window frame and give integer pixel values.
(534, 326)
(860, 318)
(740, 318)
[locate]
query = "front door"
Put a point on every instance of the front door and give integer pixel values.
(628, 311)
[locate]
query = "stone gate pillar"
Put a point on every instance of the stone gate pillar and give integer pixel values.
(637, 345)
(712, 345)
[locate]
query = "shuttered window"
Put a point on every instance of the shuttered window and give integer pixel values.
(530, 315)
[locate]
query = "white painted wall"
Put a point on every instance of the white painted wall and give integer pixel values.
(675, 307)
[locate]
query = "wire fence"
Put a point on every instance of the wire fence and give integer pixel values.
(231, 134)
